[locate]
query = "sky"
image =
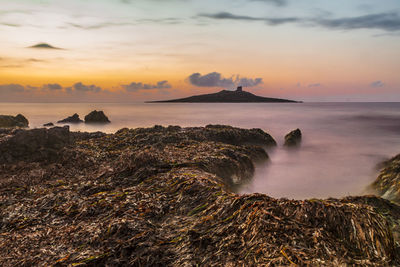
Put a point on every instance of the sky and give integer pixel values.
(138, 50)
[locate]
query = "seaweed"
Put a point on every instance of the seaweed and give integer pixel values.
(162, 196)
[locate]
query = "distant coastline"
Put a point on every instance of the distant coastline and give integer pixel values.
(226, 96)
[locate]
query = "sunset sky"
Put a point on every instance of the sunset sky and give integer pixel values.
(136, 50)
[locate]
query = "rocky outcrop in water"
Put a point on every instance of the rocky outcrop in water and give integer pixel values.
(49, 124)
(162, 196)
(71, 119)
(7, 121)
(293, 139)
(96, 117)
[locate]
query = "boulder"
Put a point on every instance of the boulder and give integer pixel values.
(7, 121)
(34, 145)
(48, 124)
(71, 119)
(96, 117)
(293, 138)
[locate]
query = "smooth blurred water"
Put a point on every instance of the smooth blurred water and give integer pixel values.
(342, 142)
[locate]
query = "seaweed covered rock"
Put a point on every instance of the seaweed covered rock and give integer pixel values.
(71, 119)
(33, 144)
(96, 117)
(161, 196)
(7, 121)
(293, 139)
(387, 183)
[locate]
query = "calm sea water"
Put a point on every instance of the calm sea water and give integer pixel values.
(342, 142)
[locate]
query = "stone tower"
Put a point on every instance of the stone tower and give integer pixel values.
(239, 89)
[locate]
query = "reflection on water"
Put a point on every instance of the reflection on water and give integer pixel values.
(342, 142)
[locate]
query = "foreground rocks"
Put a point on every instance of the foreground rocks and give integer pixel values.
(162, 196)
(96, 117)
(7, 121)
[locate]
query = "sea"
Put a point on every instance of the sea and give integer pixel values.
(342, 147)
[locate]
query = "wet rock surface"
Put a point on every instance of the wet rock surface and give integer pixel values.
(162, 196)
(96, 117)
(71, 119)
(7, 121)
(293, 139)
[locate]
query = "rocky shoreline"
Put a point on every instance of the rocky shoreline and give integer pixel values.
(164, 196)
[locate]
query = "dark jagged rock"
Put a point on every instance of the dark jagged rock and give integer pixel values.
(162, 196)
(225, 96)
(96, 117)
(293, 139)
(48, 124)
(71, 119)
(7, 121)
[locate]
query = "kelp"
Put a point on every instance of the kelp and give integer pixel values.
(162, 196)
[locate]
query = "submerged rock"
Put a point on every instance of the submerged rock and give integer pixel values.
(163, 197)
(7, 121)
(96, 117)
(71, 119)
(293, 138)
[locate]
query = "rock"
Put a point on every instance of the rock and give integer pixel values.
(7, 121)
(293, 138)
(72, 119)
(48, 124)
(158, 197)
(96, 117)
(33, 145)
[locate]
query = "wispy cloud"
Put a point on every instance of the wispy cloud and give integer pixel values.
(43, 46)
(382, 21)
(215, 79)
(275, 2)
(377, 84)
(270, 21)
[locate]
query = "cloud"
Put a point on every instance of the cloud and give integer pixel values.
(275, 2)
(107, 24)
(215, 79)
(52, 86)
(80, 87)
(16, 88)
(10, 24)
(270, 21)
(377, 84)
(245, 82)
(43, 46)
(212, 79)
(314, 85)
(382, 21)
(134, 86)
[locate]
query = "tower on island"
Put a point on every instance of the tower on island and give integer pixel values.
(239, 89)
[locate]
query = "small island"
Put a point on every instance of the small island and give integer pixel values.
(226, 96)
